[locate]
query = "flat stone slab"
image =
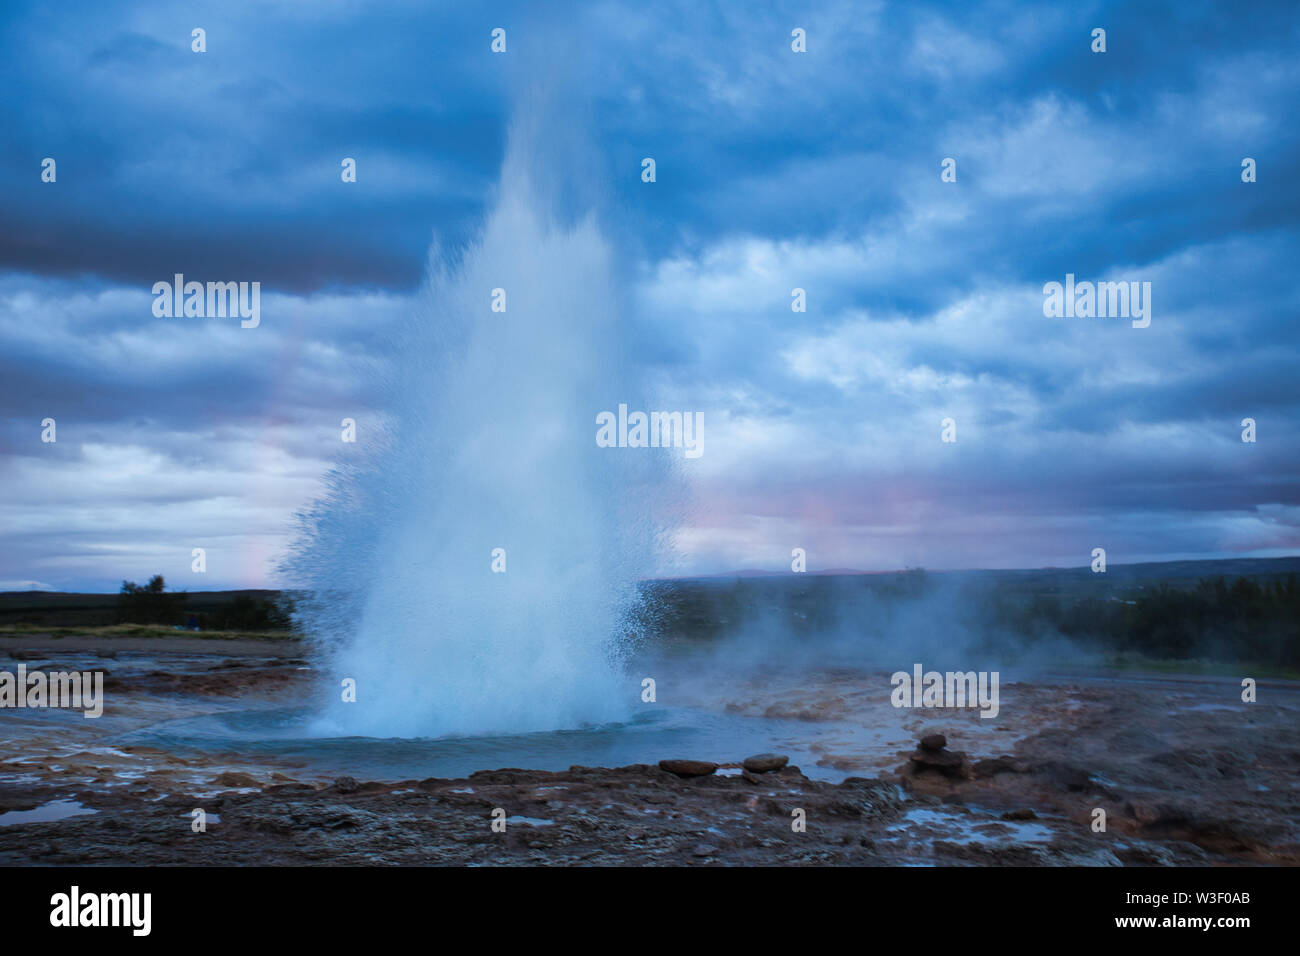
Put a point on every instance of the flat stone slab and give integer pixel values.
(765, 763)
(688, 768)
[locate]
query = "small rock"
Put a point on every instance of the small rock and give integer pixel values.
(939, 759)
(751, 777)
(347, 785)
(996, 765)
(951, 764)
(934, 742)
(1020, 815)
(688, 768)
(765, 763)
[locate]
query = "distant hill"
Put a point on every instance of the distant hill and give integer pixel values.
(1154, 571)
(762, 573)
(1121, 581)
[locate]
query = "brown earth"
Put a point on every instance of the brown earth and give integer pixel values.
(1181, 783)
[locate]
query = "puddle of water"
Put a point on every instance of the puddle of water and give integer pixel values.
(1208, 707)
(986, 831)
(47, 813)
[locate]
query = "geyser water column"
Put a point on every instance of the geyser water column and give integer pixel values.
(490, 443)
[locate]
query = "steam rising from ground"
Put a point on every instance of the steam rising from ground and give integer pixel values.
(752, 630)
(490, 443)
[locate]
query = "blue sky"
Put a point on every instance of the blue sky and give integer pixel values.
(776, 170)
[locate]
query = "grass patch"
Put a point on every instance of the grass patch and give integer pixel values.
(1136, 662)
(108, 632)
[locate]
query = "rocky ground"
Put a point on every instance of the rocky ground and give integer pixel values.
(1180, 782)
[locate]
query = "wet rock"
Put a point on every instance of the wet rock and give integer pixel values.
(704, 849)
(1171, 854)
(688, 768)
(939, 759)
(996, 765)
(1072, 778)
(509, 775)
(844, 808)
(931, 756)
(751, 777)
(347, 785)
(236, 780)
(948, 763)
(289, 788)
(765, 763)
(1020, 815)
(1211, 765)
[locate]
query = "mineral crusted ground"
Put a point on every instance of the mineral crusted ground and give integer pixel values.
(1181, 781)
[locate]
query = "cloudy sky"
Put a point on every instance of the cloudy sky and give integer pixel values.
(775, 170)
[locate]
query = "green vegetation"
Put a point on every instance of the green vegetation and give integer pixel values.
(1173, 622)
(1214, 620)
(140, 630)
(153, 604)
(149, 605)
(1233, 669)
(1192, 617)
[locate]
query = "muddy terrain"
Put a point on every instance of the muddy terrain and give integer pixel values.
(1184, 772)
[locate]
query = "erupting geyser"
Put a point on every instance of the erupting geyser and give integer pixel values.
(488, 443)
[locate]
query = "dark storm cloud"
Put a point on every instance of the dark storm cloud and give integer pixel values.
(220, 162)
(775, 170)
(227, 162)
